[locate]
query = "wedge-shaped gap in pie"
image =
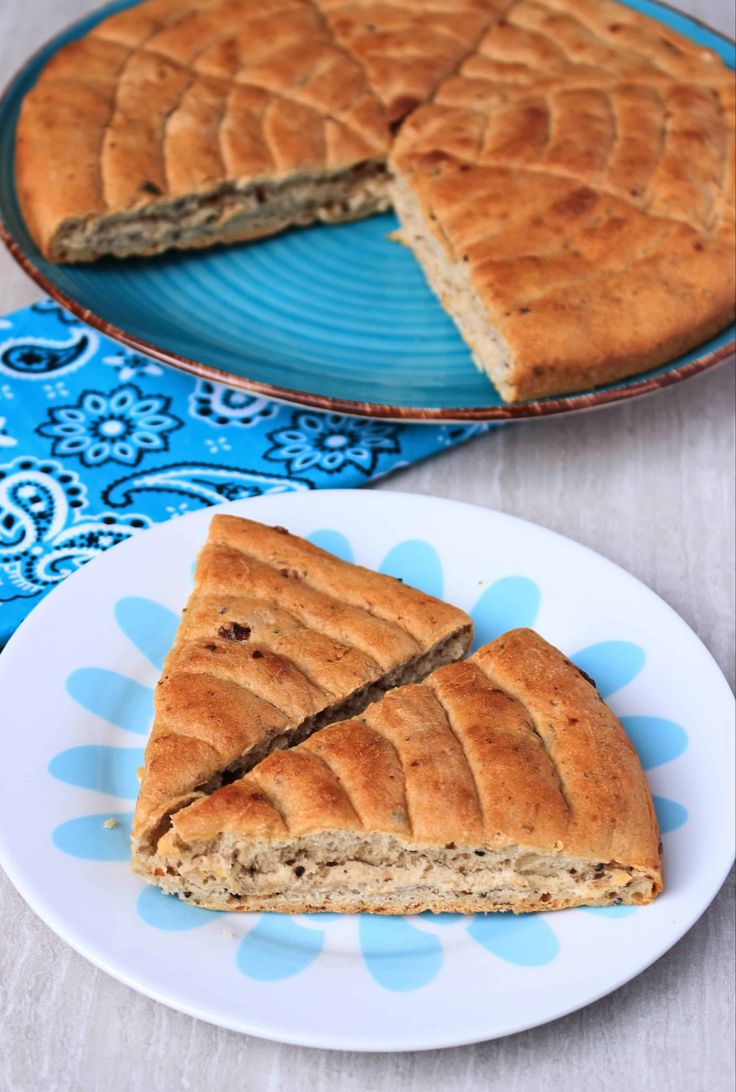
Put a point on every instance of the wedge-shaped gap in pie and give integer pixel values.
(185, 124)
(563, 170)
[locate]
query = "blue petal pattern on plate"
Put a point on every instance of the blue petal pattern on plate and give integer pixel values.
(526, 940)
(334, 542)
(112, 770)
(656, 740)
(611, 664)
(399, 955)
(417, 563)
(89, 838)
(440, 919)
(170, 913)
(278, 947)
(147, 625)
(121, 701)
(512, 601)
(670, 815)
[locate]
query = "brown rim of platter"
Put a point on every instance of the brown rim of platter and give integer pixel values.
(513, 411)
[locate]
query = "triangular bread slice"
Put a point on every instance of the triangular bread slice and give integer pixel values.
(278, 639)
(500, 783)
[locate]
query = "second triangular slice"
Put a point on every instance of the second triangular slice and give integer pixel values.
(278, 639)
(500, 783)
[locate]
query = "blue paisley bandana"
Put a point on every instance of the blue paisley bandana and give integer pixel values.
(98, 442)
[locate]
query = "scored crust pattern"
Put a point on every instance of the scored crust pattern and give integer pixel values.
(171, 98)
(564, 169)
(590, 91)
(511, 746)
(616, 138)
(276, 632)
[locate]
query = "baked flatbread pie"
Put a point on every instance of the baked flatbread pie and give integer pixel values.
(183, 123)
(278, 639)
(563, 170)
(569, 193)
(500, 783)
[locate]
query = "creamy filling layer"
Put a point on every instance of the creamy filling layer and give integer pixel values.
(451, 282)
(228, 213)
(381, 871)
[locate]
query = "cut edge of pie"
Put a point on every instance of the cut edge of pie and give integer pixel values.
(231, 212)
(500, 783)
(563, 168)
(186, 123)
(671, 300)
(278, 639)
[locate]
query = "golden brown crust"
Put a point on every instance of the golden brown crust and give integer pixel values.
(577, 170)
(174, 98)
(600, 781)
(59, 179)
(571, 161)
(407, 47)
(276, 631)
(513, 746)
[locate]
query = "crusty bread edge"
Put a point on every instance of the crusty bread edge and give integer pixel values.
(492, 354)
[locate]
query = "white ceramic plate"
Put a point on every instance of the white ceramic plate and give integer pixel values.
(76, 688)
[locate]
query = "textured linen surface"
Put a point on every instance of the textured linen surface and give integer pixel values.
(98, 443)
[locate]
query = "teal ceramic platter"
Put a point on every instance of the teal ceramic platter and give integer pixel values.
(334, 317)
